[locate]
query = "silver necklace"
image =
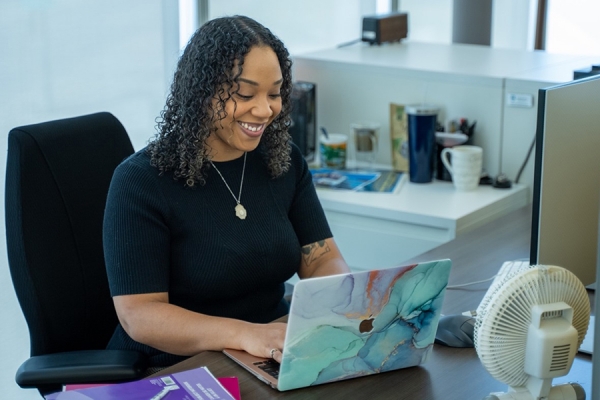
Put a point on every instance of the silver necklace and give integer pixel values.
(240, 211)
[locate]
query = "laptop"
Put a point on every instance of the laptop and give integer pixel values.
(356, 324)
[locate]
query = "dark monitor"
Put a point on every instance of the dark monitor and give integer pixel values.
(566, 193)
(595, 395)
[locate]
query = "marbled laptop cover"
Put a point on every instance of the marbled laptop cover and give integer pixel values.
(347, 326)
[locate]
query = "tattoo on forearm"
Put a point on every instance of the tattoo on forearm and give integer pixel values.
(315, 250)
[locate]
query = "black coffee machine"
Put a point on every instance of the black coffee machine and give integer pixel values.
(304, 118)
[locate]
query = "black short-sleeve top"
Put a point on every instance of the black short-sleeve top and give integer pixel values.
(161, 236)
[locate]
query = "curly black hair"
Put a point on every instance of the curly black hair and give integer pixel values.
(206, 71)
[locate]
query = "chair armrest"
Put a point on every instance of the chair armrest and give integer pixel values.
(86, 366)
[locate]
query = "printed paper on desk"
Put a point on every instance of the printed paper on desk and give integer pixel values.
(197, 383)
(358, 180)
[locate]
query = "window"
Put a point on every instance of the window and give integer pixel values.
(571, 27)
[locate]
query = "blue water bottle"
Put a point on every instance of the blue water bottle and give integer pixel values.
(421, 142)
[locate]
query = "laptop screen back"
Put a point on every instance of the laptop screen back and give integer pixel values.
(357, 324)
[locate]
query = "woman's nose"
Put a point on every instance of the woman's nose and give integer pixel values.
(262, 108)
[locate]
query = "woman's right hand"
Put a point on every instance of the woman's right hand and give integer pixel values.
(260, 339)
(187, 333)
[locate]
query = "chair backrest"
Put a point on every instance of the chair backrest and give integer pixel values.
(57, 180)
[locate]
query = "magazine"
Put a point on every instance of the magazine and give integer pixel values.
(194, 384)
(358, 180)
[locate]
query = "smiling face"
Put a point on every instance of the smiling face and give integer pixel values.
(253, 105)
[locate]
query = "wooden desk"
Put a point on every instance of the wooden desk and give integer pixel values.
(450, 373)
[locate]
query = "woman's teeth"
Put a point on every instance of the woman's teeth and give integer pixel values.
(251, 128)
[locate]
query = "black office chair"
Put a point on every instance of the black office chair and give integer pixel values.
(57, 179)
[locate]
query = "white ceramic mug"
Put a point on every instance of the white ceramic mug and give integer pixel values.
(465, 166)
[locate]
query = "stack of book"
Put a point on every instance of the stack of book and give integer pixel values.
(196, 383)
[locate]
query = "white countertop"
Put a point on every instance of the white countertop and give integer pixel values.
(555, 73)
(435, 204)
(460, 61)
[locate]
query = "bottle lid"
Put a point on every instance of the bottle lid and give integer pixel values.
(422, 109)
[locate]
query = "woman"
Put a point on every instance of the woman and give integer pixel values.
(203, 227)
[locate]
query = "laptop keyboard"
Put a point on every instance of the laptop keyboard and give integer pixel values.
(270, 366)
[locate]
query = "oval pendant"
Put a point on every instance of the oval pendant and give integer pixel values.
(240, 211)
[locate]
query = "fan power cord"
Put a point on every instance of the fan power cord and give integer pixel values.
(461, 285)
(473, 313)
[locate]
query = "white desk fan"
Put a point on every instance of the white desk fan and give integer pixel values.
(528, 329)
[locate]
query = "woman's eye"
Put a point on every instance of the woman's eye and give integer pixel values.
(241, 96)
(276, 95)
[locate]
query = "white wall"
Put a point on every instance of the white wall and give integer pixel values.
(62, 58)
(513, 24)
(429, 21)
(336, 21)
(573, 27)
(305, 25)
(571, 23)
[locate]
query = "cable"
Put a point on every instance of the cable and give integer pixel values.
(469, 283)
(482, 281)
(526, 160)
(349, 43)
(473, 313)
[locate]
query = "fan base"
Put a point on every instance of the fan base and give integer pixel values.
(565, 391)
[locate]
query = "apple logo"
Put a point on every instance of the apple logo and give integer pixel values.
(366, 325)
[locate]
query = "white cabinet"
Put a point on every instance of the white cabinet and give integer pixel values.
(379, 230)
(357, 83)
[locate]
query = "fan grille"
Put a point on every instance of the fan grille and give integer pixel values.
(504, 316)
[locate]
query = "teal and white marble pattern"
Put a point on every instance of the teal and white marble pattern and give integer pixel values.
(364, 323)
